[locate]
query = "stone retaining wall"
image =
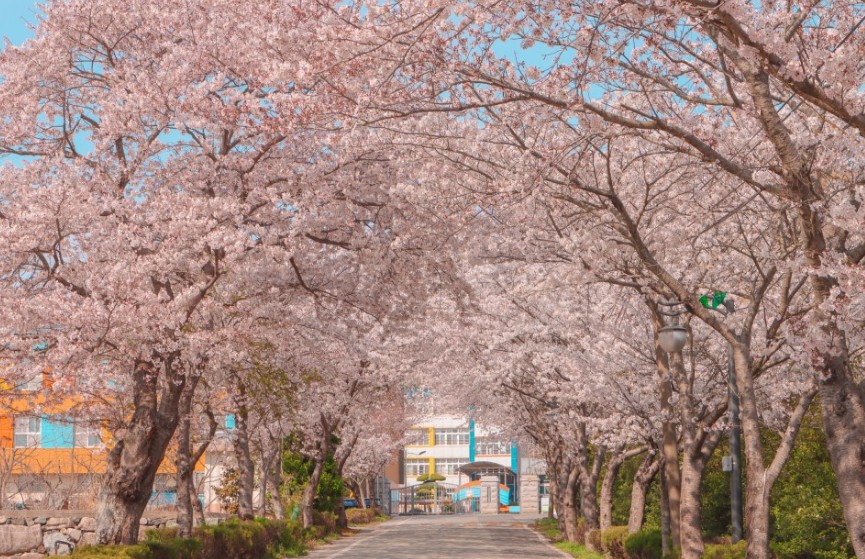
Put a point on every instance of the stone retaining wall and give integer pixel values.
(34, 537)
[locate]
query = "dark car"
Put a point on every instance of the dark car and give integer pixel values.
(368, 502)
(349, 504)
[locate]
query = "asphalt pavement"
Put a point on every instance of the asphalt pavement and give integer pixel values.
(444, 537)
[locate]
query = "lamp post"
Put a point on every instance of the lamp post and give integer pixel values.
(672, 338)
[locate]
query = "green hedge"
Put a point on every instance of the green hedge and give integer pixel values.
(233, 539)
(645, 544)
(726, 550)
(613, 542)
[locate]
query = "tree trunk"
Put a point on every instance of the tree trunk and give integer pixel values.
(642, 479)
(245, 465)
(360, 494)
(184, 469)
(212, 426)
(845, 441)
(341, 518)
(606, 514)
(609, 482)
(757, 494)
(134, 460)
(670, 454)
(589, 479)
(569, 515)
(842, 403)
(310, 490)
(691, 541)
(274, 473)
(262, 489)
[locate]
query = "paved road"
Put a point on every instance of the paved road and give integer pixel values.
(444, 537)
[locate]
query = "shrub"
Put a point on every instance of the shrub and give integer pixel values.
(645, 544)
(177, 548)
(231, 540)
(360, 516)
(108, 552)
(325, 519)
(613, 541)
(314, 533)
(726, 550)
(432, 476)
(593, 540)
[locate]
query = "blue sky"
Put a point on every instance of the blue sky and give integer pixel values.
(14, 16)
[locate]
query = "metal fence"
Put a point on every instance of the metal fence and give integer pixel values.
(431, 498)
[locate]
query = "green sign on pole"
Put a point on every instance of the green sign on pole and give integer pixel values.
(716, 300)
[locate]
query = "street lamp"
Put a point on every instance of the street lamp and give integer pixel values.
(672, 338)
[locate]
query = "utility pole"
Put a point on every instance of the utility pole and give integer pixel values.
(735, 451)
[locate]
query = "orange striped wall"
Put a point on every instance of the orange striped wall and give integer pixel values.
(6, 432)
(69, 461)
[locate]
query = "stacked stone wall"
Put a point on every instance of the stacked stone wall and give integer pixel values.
(34, 535)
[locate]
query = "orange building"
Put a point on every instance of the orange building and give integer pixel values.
(49, 459)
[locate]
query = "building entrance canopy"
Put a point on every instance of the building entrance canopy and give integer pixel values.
(476, 469)
(507, 477)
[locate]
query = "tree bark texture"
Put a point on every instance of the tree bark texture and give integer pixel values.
(642, 479)
(310, 490)
(589, 474)
(694, 463)
(569, 514)
(243, 456)
(609, 482)
(135, 459)
(184, 467)
(756, 492)
(274, 475)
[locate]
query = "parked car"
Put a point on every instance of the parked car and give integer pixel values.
(349, 503)
(368, 502)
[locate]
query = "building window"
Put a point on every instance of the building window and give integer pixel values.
(452, 436)
(449, 466)
(28, 432)
(417, 437)
(416, 467)
(493, 447)
(87, 436)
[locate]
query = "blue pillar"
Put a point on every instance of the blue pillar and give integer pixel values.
(472, 453)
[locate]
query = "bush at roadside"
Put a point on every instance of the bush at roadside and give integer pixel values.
(645, 544)
(726, 550)
(613, 542)
(361, 516)
(233, 539)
